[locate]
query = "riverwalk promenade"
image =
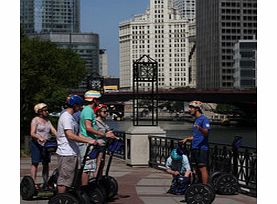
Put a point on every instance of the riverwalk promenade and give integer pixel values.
(138, 185)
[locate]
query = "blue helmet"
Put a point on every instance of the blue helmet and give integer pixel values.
(175, 156)
(74, 99)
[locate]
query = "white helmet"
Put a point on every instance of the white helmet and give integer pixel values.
(39, 106)
(92, 94)
(196, 104)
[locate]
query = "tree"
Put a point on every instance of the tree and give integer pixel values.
(46, 75)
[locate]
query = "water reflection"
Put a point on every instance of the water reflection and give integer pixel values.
(180, 129)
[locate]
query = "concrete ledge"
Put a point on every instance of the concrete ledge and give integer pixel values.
(137, 144)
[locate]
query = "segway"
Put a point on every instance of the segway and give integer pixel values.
(196, 192)
(80, 194)
(107, 183)
(27, 185)
(220, 182)
(225, 183)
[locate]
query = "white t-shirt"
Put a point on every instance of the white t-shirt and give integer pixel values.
(66, 147)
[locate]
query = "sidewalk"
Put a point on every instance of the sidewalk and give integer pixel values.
(138, 185)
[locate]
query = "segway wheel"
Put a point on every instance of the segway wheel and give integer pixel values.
(227, 184)
(198, 194)
(212, 191)
(52, 182)
(27, 188)
(111, 187)
(93, 184)
(214, 177)
(96, 196)
(63, 198)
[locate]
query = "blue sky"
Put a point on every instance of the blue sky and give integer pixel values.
(103, 17)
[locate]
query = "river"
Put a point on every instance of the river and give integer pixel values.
(180, 129)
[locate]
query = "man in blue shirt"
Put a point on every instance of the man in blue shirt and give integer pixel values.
(199, 140)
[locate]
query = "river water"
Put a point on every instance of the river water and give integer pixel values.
(180, 129)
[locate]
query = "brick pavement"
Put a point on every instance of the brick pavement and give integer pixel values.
(138, 185)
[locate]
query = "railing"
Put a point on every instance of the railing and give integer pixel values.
(240, 162)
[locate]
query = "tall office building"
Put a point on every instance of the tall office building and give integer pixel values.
(56, 16)
(162, 34)
(186, 8)
(245, 66)
(219, 25)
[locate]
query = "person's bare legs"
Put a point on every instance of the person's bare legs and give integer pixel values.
(204, 174)
(85, 178)
(98, 163)
(34, 169)
(61, 189)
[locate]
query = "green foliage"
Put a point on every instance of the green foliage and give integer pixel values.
(54, 121)
(46, 75)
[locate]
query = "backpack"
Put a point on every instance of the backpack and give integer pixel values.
(50, 145)
(179, 185)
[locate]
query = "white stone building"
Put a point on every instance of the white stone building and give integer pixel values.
(186, 8)
(103, 63)
(162, 34)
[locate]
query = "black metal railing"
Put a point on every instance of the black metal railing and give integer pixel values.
(241, 162)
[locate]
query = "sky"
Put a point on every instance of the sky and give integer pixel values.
(103, 17)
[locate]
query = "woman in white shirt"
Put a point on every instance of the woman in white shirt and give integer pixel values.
(41, 128)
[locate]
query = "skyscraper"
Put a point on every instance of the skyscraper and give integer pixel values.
(186, 8)
(59, 21)
(162, 34)
(56, 16)
(219, 25)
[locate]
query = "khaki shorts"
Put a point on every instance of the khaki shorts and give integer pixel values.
(67, 168)
(90, 165)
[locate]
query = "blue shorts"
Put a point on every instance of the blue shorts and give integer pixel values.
(39, 154)
(199, 158)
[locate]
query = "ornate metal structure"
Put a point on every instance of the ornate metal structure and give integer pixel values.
(145, 72)
(95, 82)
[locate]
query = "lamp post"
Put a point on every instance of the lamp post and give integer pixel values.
(145, 71)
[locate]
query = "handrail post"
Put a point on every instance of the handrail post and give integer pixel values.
(235, 146)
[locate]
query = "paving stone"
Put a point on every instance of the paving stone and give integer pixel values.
(137, 185)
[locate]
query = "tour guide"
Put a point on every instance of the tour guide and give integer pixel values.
(200, 131)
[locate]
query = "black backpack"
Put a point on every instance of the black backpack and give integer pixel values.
(179, 185)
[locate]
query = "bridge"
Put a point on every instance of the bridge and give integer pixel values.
(225, 96)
